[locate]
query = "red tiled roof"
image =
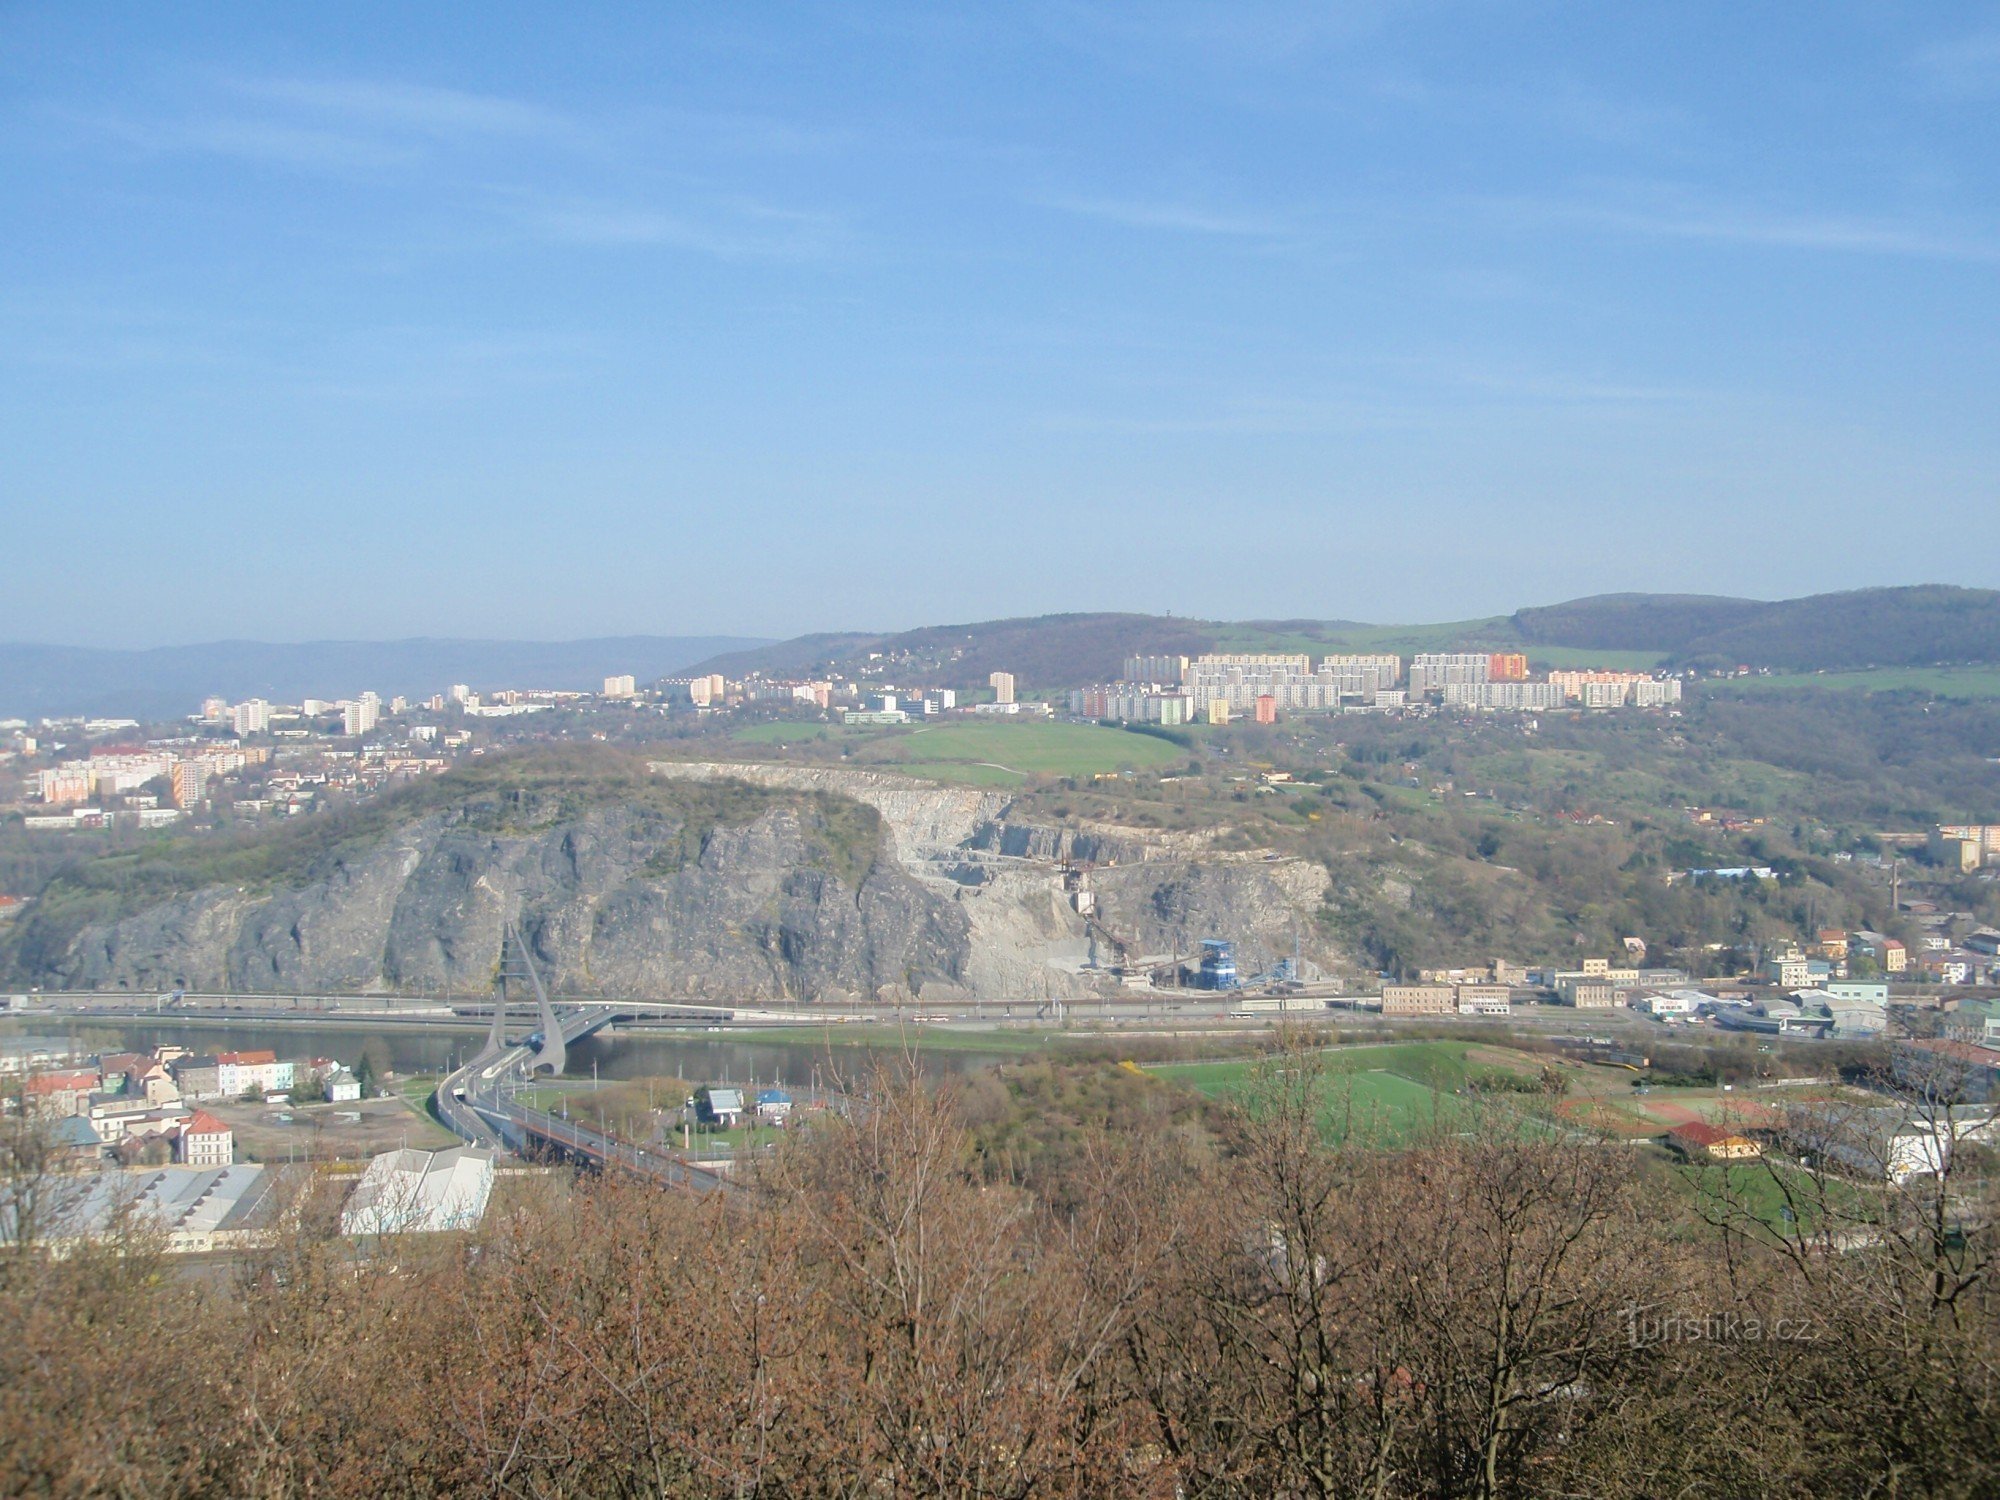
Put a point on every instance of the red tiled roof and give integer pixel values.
(77, 1080)
(247, 1059)
(201, 1122)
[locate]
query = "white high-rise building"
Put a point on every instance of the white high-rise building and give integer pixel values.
(1002, 684)
(621, 687)
(357, 717)
(253, 716)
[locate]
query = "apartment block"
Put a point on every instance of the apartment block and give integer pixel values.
(1167, 671)
(1484, 1000)
(190, 783)
(1432, 671)
(1418, 1000)
(1586, 993)
(1524, 696)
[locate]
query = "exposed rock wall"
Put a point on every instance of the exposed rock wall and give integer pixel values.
(622, 898)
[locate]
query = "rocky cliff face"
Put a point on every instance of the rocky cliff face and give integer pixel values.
(612, 900)
(622, 896)
(1157, 893)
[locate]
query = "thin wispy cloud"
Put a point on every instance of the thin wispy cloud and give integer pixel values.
(265, 142)
(1183, 218)
(729, 230)
(1964, 67)
(1685, 217)
(345, 126)
(397, 107)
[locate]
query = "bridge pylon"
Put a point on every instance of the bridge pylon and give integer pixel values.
(516, 964)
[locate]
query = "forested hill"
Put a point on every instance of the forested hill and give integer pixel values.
(1884, 627)
(1045, 650)
(1871, 627)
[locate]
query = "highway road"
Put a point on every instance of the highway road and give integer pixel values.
(487, 1085)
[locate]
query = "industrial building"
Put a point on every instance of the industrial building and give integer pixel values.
(420, 1192)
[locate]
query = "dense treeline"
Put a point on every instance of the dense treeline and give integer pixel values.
(1481, 1314)
(1863, 628)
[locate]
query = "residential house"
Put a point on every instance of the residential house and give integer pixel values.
(237, 1073)
(54, 1094)
(1700, 1141)
(342, 1087)
(773, 1106)
(119, 1115)
(1789, 971)
(198, 1076)
(204, 1141)
(77, 1142)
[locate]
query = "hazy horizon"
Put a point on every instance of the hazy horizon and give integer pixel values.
(366, 324)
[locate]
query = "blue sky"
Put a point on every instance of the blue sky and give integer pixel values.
(368, 321)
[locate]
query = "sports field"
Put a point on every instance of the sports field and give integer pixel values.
(1381, 1094)
(1632, 1115)
(988, 753)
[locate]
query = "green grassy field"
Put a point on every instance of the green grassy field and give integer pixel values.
(1384, 1095)
(992, 753)
(807, 732)
(890, 1038)
(1764, 1191)
(1942, 682)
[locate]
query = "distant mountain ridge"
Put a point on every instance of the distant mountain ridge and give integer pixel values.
(170, 681)
(1885, 627)
(1908, 626)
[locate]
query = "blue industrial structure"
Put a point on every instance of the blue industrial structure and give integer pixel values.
(1218, 965)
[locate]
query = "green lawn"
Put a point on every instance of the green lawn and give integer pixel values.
(786, 732)
(891, 1038)
(1027, 749)
(418, 1088)
(994, 752)
(1765, 1190)
(744, 1137)
(1382, 1094)
(1943, 682)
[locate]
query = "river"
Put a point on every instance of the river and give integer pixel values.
(721, 1058)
